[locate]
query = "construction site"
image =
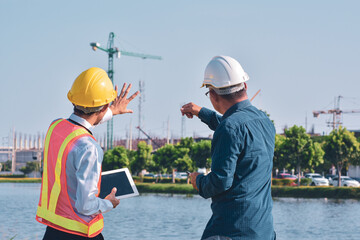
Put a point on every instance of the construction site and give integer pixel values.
(20, 148)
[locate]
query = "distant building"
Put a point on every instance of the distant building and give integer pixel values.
(155, 142)
(24, 156)
(354, 171)
(21, 156)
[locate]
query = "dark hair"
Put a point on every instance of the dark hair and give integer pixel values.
(80, 112)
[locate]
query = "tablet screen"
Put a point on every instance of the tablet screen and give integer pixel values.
(122, 180)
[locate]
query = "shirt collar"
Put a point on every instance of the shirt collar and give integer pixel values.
(237, 106)
(81, 121)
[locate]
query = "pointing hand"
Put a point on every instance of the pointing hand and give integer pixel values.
(190, 109)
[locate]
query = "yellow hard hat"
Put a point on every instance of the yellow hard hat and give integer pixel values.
(92, 88)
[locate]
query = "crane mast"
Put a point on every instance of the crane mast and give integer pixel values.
(111, 51)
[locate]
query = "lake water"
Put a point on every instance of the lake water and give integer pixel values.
(167, 217)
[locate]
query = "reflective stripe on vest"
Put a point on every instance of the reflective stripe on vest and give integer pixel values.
(64, 219)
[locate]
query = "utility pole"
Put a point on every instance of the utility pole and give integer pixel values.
(13, 157)
(141, 101)
(168, 131)
(130, 136)
(183, 127)
(111, 51)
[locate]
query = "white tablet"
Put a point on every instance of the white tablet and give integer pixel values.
(122, 180)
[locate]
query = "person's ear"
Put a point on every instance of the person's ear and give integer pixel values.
(215, 96)
(245, 86)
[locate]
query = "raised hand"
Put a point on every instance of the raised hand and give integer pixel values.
(119, 106)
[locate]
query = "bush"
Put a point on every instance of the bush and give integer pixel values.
(305, 181)
(289, 182)
(153, 180)
(316, 192)
(282, 182)
(276, 191)
(12, 176)
(166, 188)
(20, 180)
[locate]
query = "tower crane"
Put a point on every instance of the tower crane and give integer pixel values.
(111, 51)
(336, 112)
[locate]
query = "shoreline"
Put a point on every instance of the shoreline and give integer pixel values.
(276, 191)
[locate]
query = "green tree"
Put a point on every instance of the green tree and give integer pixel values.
(186, 143)
(115, 158)
(7, 165)
(143, 157)
(318, 157)
(183, 164)
(201, 154)
(342, 148)
(299, 149)
(166, 156)
(280, 159)
(30, 167)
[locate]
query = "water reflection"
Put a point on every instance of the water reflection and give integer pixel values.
(300, 218)
(171, 216)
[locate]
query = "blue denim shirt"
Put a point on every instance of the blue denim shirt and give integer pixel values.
(239, 183)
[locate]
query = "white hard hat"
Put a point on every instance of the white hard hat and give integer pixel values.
(224, 71)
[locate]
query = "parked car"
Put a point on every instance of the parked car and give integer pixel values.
(286, 176)
(317, 179)
(346, 181)
(149, 175)
(356, 178)
(181, 175)
(162, 175)
(330, 177)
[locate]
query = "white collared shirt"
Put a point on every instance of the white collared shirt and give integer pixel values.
(83, 169)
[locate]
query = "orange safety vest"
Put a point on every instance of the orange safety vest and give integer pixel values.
(54, 207)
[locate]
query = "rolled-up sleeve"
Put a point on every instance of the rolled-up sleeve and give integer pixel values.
(210, 118)
(88, 169)
(225, 153)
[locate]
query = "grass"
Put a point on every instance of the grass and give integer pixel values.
(316, 192)
(177, 188)
(277, 191)
(20, 180)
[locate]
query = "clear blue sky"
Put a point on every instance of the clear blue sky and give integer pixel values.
(301, 54)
